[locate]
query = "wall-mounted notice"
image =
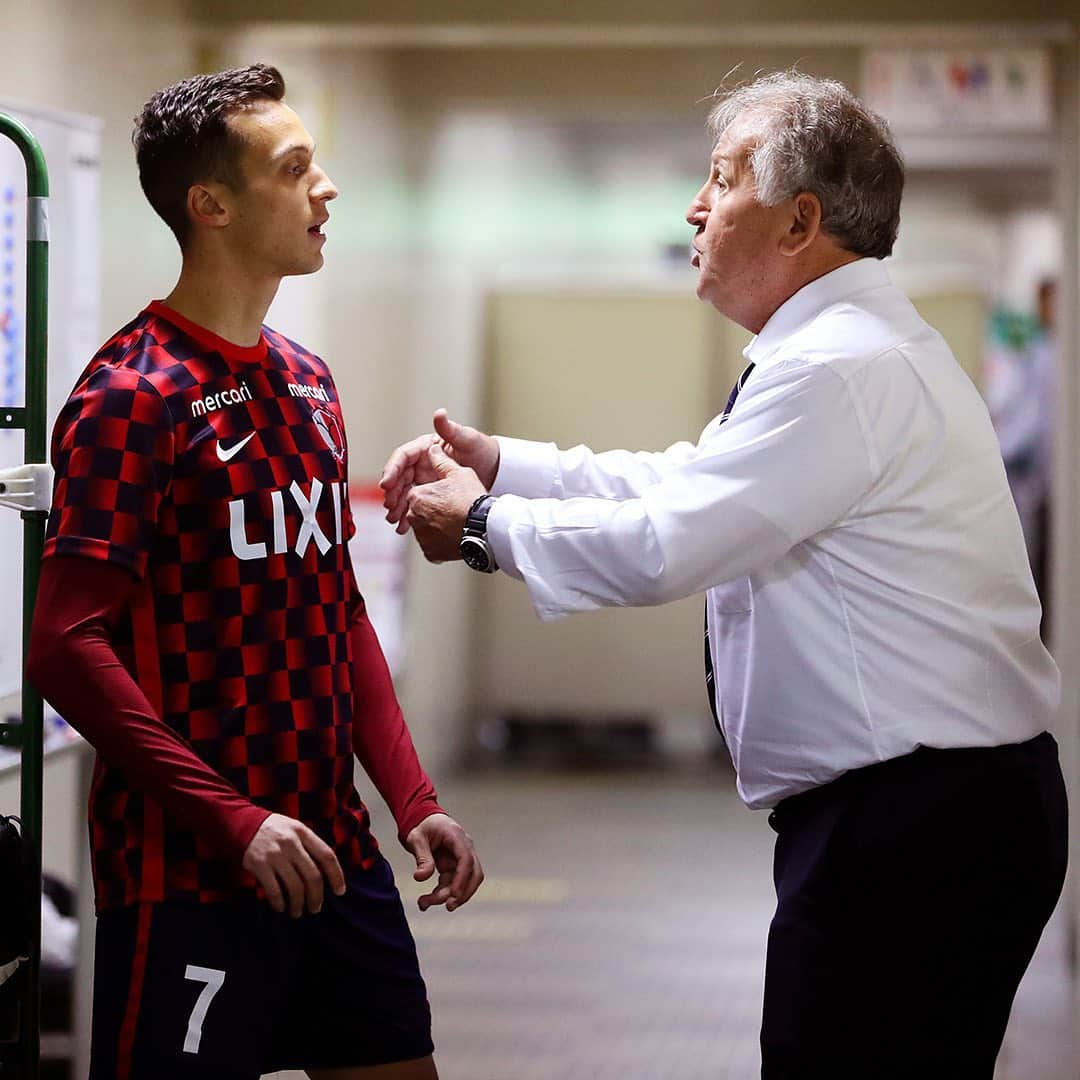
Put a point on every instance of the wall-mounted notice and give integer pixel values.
(71, 145)
(966, 90)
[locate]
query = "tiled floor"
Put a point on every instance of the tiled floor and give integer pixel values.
(621, 935)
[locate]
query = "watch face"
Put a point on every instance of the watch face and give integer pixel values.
(475, 553)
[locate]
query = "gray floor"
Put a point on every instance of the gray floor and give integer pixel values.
(621, 934)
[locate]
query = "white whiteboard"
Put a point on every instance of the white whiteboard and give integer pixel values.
(72, 151)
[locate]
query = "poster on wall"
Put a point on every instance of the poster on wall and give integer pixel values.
(12, 231)
(71, 145)
(974, 91)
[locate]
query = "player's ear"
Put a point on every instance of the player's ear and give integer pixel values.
(205, 207)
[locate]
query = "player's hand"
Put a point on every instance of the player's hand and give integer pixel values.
(410, 464)
(437, 511)
(290, 862)
(440, 843)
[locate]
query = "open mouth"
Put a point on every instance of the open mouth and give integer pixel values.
(316, 230)
(695, 252)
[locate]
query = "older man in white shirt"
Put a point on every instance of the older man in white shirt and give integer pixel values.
(873, 641)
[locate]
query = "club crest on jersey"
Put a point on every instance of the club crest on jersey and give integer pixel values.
(330, 429)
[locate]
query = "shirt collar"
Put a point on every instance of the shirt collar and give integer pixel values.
(799, 310)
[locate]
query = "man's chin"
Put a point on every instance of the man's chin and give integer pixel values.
(309, 266)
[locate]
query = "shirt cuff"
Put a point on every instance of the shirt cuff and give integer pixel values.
(529, 469)
(239, 828)
(499, 520)
(415, 814)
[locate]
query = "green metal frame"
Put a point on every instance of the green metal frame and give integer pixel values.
(29, 734)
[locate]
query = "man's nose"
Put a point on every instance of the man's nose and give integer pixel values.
(698, 210)
(324, 189)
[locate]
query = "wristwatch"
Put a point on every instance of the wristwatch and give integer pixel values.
(474, 546)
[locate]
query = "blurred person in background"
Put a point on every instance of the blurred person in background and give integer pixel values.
(1020, 375)
(872, 650)
(199, 622)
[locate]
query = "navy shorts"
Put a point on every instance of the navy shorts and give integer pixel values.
(232, 990)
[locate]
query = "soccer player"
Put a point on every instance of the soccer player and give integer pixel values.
(198, 621)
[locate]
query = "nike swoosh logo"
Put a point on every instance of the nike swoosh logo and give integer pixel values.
(226, 455)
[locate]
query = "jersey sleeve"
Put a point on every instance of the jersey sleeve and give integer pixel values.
(73, 662)
(381, 739)
(112, 453)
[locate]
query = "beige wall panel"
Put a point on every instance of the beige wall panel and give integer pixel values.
(609, 370)
(960, 318)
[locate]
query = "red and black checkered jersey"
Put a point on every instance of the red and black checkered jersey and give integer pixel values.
(217, 474)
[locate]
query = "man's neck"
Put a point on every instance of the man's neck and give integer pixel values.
(807, 271)
(222, 301)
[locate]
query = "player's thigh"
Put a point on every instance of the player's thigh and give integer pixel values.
(187, 991)
(422, 1069)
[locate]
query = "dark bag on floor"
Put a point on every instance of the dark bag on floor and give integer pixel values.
(14, 924)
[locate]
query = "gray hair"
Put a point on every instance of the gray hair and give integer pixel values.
(816, 136)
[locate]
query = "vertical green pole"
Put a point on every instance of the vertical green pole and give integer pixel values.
(32, 734)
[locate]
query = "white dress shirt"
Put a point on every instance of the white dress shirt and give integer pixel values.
(868, 590)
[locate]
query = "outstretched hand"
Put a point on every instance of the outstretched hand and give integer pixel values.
(436, 511)
(440, 843)
(410, 464)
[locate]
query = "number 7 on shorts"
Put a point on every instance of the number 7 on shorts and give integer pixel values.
(214, 980)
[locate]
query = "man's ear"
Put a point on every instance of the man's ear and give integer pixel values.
(805, 225)
(205, 206)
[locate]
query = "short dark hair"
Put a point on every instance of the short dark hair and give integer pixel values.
(181, 136)
(817, 136)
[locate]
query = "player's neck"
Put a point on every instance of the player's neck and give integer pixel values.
(229, 305)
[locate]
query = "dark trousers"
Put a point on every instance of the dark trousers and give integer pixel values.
(910, 898)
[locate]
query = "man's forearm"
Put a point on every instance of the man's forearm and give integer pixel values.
(536, 470)
(74, 664)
